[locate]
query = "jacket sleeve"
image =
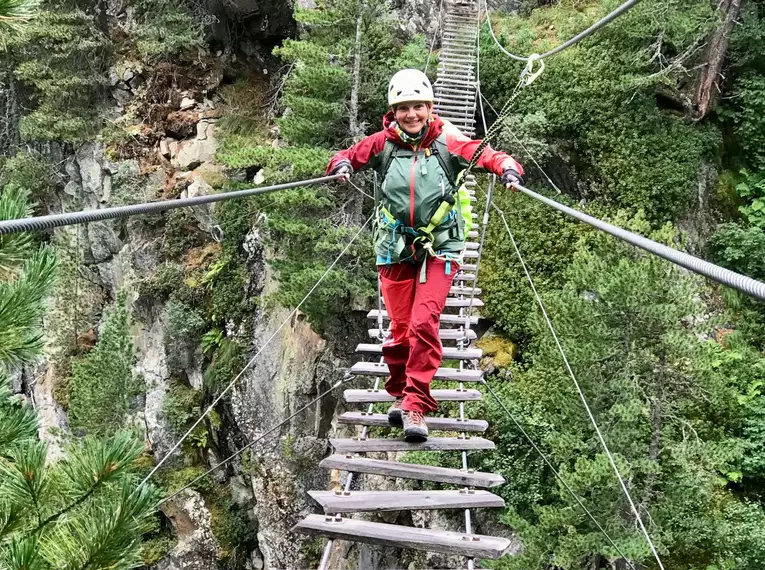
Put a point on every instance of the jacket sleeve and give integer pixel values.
(463, 147)
(361, 154)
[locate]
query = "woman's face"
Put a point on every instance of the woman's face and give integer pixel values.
(412, 116)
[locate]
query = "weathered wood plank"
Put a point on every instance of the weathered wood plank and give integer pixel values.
(450, 352)
(358, 464)
(434, 424)
(446, 542)
(443, 334)
(355, 445)
(379, 501)
(463, 290)
(371, 396)
(449, 319)
(381, 369)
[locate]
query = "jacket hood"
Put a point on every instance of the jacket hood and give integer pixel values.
(435, 127)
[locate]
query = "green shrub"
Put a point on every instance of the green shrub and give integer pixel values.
(184, 331)
(102, 386)
(63, 55)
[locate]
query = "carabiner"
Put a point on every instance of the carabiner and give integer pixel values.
(528, 75)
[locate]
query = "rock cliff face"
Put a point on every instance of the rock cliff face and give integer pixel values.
(291, 365)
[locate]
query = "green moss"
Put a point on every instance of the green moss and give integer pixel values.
(235, 533)
(154, 549)
(311, 550)
(181, 233)
(502, 351)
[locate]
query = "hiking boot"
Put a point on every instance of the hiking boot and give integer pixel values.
(415, 428)
(394, 413)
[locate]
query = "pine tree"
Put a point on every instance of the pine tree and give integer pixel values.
(85, 511)
(14, 14)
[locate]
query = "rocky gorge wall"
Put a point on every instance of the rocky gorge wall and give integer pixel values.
(171, 114)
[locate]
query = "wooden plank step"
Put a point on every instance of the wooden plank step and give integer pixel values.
(443, 334)
(381, 369)
(464, 48)
(441, 88)
(438, 424)
(473, 234)
(450, 352)
(452, 302)
(465, 109)
(460, 290)
(379, 501)
(472, 245)
(358, 464)
(372, 396)
(373, 445)
(455, 67)
(446, 542)
(471, 254)
(446, 101)
(462, 276)
(467, 267)
(457, 121)
(447, 319)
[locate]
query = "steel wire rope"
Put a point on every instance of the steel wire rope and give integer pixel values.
(270, 430)
(568, 366)
(58, 220)
(605, 20)
(579, 390)
(435, 35)
(518, 425)
(252, 360)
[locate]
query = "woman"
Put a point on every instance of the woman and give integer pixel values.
(419, 233)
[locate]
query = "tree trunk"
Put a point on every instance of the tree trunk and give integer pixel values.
(657, 418)
(354, 111)
(708, 89)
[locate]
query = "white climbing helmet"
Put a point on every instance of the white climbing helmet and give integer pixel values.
(409, 85)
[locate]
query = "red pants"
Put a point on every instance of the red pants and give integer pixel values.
(413, 350)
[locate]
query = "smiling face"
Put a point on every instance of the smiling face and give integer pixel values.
(412, 116)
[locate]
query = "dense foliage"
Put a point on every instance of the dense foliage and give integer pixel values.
(671, 367)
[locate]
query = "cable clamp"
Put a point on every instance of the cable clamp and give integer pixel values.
(528, 75)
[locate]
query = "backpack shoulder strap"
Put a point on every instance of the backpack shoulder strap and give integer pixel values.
(386, 157)
(441, 151)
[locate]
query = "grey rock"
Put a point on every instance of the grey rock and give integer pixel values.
(164, 148)
(102, 241)
(152, 366)
(122, 96)
(187, 103)
(197, 547)
(191, 154)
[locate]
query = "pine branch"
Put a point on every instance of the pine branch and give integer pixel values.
(92, 465)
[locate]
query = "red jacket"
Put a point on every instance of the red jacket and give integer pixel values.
(457, 143)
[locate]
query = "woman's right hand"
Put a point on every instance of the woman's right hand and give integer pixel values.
(344, 167)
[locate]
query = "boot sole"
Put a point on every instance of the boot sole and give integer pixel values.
(415, 438)
(396, 420)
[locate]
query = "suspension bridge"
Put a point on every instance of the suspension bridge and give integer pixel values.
(348, 511)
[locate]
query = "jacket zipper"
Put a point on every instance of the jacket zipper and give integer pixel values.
(411, 191)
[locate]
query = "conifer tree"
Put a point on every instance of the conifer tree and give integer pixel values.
(85, 511)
